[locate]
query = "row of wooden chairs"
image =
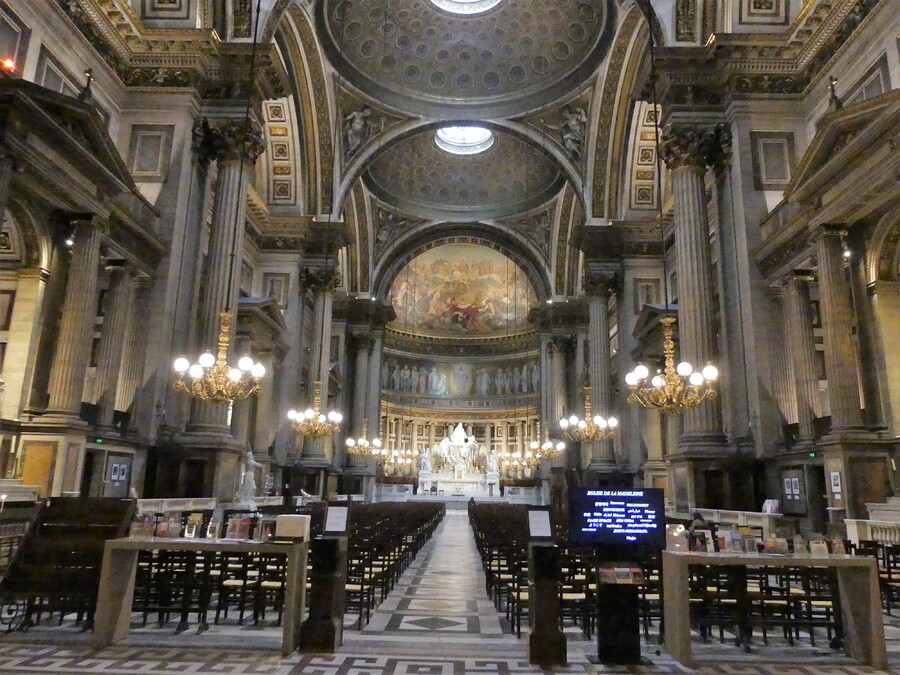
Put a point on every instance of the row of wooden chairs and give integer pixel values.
(384, 539)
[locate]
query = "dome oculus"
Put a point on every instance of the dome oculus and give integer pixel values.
(464, 140)
(465, 6)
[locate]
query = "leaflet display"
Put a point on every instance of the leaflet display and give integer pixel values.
(617, 517)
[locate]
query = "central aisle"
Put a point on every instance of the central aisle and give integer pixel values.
(439, 606)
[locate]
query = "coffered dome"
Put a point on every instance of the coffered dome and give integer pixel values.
(489, 177)
(429, 57)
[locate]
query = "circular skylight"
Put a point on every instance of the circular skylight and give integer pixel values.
(464, 140)
(465, 6)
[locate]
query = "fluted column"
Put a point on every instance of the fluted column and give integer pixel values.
(802, 343)
(598, 287)
(76, 328)
(557, 392)
(683, 153)
(235, 149)
(240, 414)
(373, 399)
(840, 352)
(119, 299)
(323, 281)
(782, 373)
(135, 345)
(361, 386)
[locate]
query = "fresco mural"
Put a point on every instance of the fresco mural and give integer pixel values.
(462, 289)
(458, 378)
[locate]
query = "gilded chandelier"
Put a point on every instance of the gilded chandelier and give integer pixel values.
(362, 447)
(676, 389)
(589, 429)
(312, 423)
(212, 379)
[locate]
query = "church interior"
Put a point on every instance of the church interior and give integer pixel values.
(448, 263)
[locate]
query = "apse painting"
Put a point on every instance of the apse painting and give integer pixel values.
(464, 290)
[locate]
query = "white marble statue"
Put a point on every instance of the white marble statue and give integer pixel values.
(245, 497)
(493, 464)
(425, 461)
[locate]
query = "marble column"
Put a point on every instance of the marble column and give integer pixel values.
(782, 374)
(865, 330)
(840, 352)
(683, 154)
(802, 342)
(235, 148)
(598, 287)
(76, 328)
(135, 346)
(119, 301)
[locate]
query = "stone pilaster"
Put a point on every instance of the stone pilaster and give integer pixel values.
(559, 347)
(135, 345)
(866, 331)
(73, 344)
(782, 374)
(119, 300)
(235, 148)
(840, 353)
(22, 353)
(373, 399)
(598, 287)
(684, 151)
(802, 342)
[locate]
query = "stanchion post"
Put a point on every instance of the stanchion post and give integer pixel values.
(322, 632)
(546, 642)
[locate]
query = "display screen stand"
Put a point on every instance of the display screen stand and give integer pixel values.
(618, 621)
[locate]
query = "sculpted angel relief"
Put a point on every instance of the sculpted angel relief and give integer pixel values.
(462, 289)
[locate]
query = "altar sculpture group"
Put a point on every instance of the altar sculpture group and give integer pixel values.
(458, 452)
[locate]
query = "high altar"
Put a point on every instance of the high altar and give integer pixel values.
(458, 465)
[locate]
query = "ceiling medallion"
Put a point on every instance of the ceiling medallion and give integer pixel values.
(465, 6)
(464, 140)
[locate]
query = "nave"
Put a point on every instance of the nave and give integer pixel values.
(437, 619)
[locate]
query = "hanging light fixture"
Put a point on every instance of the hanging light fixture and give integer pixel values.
(591, 428)
(211, 378)
(312, 423)
(362, 447)
(675, 389)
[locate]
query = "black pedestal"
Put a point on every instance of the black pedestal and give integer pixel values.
(618, 624)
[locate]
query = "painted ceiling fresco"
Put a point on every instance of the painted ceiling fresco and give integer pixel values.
(463, 290)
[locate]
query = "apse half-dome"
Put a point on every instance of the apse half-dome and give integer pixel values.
(461, 290)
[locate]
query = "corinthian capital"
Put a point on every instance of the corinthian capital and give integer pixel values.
(683, 146)
(715, 146)
(318, 278)
(233, 141)
(597, 283)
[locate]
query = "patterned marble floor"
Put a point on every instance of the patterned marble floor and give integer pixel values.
(438, 620)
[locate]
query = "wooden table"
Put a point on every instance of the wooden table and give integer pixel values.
(115, 595)
(858, 590)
